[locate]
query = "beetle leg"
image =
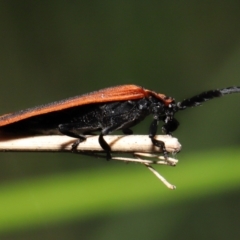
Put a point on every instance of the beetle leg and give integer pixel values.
(161, 145)
(65, 129)
(105, 146)
(127, 131)
(102, 141)
(157, 143)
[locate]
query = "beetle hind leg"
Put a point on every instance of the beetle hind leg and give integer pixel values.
(66, 129)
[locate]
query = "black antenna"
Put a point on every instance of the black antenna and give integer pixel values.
(205, 96)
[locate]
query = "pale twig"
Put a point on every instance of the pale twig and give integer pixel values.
(60, 143)
(160, 177)
(138, 145)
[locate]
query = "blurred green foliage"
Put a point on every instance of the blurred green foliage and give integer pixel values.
(52, 50)
(45, 202)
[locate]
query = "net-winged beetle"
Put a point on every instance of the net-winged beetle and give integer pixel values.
(106, 110)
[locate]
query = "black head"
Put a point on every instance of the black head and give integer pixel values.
(171, 124)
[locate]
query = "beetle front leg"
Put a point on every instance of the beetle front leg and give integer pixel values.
(157, 143)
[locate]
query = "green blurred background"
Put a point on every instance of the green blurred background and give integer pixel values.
(51, 50)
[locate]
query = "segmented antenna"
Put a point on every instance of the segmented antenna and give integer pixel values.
(205, 96)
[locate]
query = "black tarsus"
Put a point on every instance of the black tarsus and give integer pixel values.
(64, 129)
(205, 96)
(105, 146)
(157, 143)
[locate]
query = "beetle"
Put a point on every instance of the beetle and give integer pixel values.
(115, 108)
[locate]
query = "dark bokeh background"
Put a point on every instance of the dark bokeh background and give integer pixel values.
(51, 50)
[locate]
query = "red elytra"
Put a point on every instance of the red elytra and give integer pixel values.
(111, 94)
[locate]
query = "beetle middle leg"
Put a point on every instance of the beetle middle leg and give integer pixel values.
(102, 141)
